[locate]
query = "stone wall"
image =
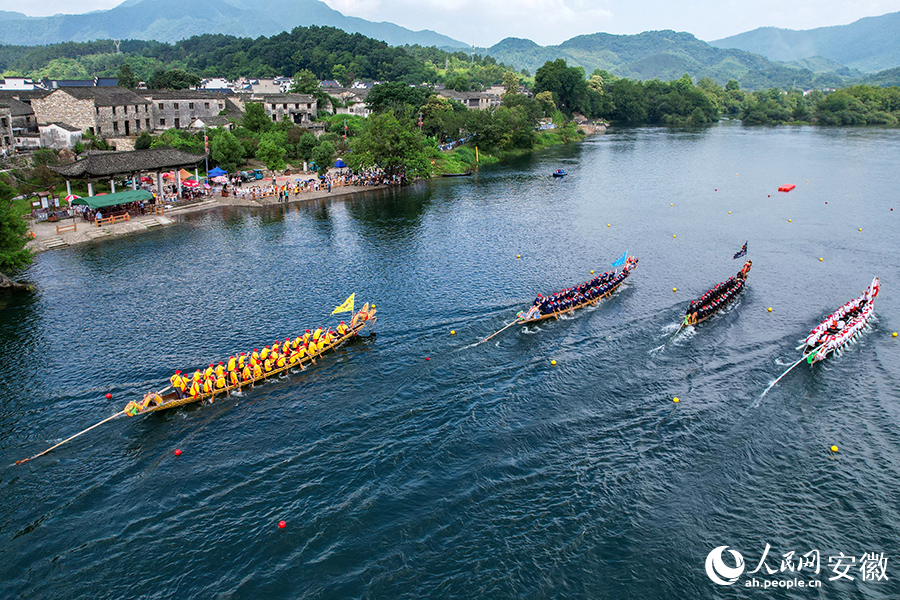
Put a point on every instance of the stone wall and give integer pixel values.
(6, 135)
(59, 106)
(122, 120)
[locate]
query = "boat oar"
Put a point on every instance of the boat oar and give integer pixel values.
(498, 332)
(25, 460)
(771, 385)
(676, 333)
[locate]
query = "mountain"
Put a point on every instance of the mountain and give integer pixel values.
(662, 55)
(173, 20)
(870, 44)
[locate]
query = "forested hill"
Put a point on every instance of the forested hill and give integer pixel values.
(173, 20)
(327, 52)
(663, 55)
(870, 44)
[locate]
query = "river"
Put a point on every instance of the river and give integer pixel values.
(485, 471)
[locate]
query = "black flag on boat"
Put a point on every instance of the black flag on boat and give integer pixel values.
(742, 251)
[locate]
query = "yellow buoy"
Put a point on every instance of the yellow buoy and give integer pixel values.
(592, 271)
(675, 400)
(807, 181)
(674, 289)
(553, 362)
(834, 448)
(729, 212)
(673, 235)
(821, 259)
(789, 220)
(518, 256)
(894, 334)
(608, 225)
(671, 204)
(452, 332)
(860, 228)
(770, 309)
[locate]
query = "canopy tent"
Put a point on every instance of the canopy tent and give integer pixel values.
(95, 202)
(339, 164)
(185, 174)
(216, 172)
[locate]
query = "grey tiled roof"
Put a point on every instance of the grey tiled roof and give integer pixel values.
(115, 163)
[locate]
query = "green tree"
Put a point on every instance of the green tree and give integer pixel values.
(568, 85)
(173, 79)
(398, 148)
(127, 78)
(323, 155)
(143, 141)
(511, 82)
(306, 145)
(304, 82)
(13, 254)
(227, 151)
(271, 150)
(255, 118)
(396, 95)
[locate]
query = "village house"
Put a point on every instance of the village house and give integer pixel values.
(298, 108)
(59, 136)
(6, 134)
(353, 100)
(179, 108)
(472, 100)
(111, 112)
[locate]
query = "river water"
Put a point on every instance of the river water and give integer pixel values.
(484, 472)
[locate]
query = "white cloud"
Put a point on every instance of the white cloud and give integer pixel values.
(47, 8)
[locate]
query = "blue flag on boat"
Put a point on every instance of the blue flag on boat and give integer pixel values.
(742, 251)
(620, 261)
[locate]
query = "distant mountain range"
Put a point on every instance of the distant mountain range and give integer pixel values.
(665, 55)
(871, 44)
(173, 20)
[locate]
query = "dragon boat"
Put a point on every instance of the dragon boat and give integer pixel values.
(156, 401)
(840, 327)
(717, 298)
(585, 294)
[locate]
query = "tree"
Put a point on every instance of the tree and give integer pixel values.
(227, 151)
(143, 141)
(569, 87)
(511, 82)
(127, 78)
(271, 150)
(255, 118)
(305, 82)
(397, 148)
(13, 254)
(323, 155)
(173, 79)
(396, 95)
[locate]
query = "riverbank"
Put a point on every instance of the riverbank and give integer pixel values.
(47, 236)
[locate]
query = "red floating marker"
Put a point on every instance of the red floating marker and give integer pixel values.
(716, 190)
(826, 203)
(177, 452)
(426, 358)
(281, 524)
(786, 188)
(108, 396)
(768, 195)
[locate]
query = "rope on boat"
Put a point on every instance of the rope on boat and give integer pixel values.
(25, 460)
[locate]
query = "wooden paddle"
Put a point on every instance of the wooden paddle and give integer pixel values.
(25, 460)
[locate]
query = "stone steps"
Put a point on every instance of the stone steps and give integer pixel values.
(97, 233)
(54, 242)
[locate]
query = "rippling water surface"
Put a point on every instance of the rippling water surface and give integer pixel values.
(484, 472)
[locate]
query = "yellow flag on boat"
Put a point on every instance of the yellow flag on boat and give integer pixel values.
(347, 306)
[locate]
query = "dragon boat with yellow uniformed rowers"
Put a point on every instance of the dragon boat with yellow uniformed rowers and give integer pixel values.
(295, 359)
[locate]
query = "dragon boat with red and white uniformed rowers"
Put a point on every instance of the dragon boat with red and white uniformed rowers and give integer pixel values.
(836, 331)
(840, 327)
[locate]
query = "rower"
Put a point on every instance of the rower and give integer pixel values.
(257, 371)
(246, 373)
(280, 361)
(267, 364)
(296, 343)
(255, 355)
(264, 354)
(306, 336)
(176, 381)
(195, 388)
(220, 382)
(232, 363)
(209, 371)
(241, 360)
(234, 377)
(317, 334)
(220, 370)
(342, 329)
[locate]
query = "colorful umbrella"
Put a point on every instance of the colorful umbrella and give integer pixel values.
(71, 197)
(145, 179)
(190, 183)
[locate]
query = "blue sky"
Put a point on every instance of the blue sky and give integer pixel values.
(485, 22)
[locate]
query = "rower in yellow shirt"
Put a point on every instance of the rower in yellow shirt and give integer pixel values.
(207, 385)
(342, 329)
(306, 336)
(264, 354)
(275, 346)
(209, 371)
(322, 345)
(176, 383)
(241, 359)
(268, 365)
(255, 355)
(317, 334)
(296, 343)
(220, 370)
(279, 362)
(257, 371)
(234, 377)
(220, 382)
(246, 373)
(232, 363)
(195, 388)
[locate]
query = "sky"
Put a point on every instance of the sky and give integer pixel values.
(483, 23)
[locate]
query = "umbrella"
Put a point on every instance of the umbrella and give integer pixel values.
(184, 174)
(71, 197)
(190, 183)
(169, 175)
(207, 186)
(145, 179)
(220, 179)
(339, 164)
(101, 194)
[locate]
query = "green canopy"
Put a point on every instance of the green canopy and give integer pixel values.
(96, 202)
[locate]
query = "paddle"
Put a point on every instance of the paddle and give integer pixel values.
(498, 332)
(25, 460)
(771, 385)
